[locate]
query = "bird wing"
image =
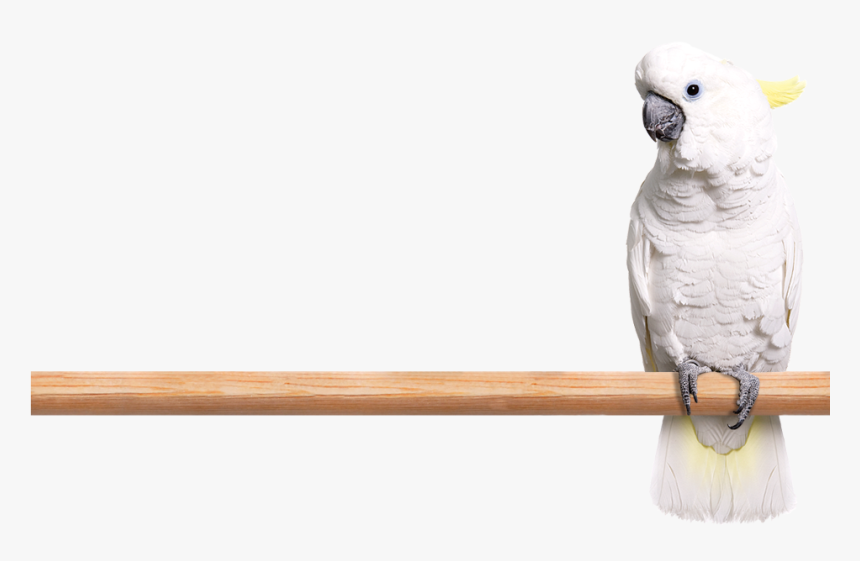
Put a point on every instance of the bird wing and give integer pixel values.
(793, 266)
(639, 252)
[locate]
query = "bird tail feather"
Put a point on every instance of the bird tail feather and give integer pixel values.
(694, 482)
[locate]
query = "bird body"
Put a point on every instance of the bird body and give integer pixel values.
(714, 259)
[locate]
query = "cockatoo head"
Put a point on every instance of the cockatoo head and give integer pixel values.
(705, 113)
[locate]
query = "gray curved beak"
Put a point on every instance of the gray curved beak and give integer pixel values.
(662, 119)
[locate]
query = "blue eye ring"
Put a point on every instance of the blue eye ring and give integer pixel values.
(693, 90)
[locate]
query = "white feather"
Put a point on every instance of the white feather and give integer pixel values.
(714, 259)
(695, 482)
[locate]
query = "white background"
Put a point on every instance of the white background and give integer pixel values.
(377, 186)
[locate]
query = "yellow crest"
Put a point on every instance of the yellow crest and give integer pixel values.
(782, 93)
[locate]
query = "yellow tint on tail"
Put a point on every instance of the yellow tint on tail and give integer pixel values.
(695, 482)
(782, 93)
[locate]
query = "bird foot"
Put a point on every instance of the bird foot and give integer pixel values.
(688, 374)
(749, 385)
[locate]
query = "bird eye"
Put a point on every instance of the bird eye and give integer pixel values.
(693, 90)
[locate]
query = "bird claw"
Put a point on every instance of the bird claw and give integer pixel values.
(749, 386)
(688, 373)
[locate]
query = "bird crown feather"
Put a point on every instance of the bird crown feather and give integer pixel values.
(782, 93)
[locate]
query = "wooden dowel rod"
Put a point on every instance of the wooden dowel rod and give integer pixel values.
(421, 393)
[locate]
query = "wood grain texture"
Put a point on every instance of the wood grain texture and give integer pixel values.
(413, 393)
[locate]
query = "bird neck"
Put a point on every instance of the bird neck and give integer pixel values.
(715, 196)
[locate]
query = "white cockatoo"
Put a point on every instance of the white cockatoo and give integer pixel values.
(714, 258)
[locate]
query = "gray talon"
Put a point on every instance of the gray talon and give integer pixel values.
(688, 374)
(749, 386)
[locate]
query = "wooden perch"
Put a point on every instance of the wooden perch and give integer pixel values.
(414, 393)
